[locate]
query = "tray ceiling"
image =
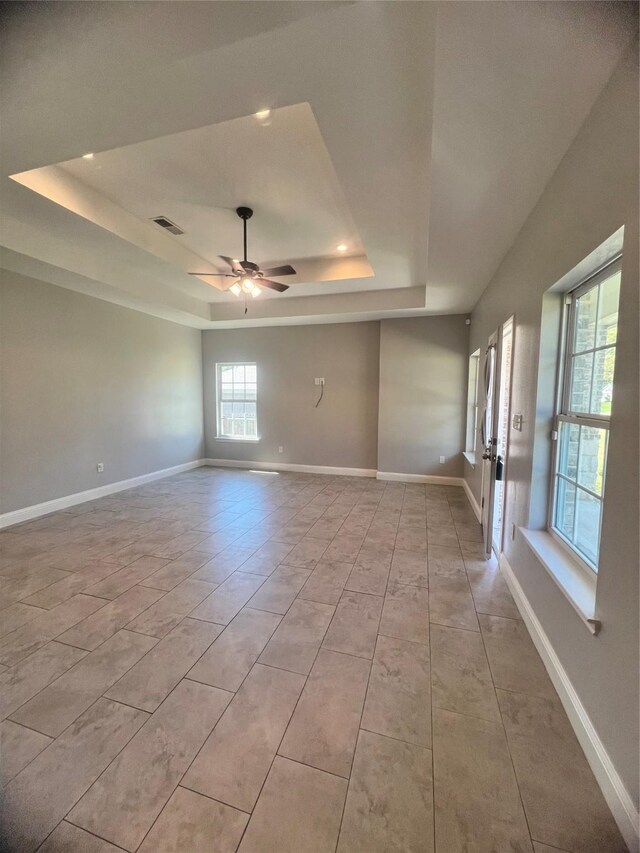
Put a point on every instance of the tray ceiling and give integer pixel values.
(420, 134)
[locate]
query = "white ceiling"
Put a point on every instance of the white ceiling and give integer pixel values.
(430, 132)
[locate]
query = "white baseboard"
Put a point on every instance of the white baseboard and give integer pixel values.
(28, 513)
(419, 478)
(475, 506)
(618, 798)
(288, 466)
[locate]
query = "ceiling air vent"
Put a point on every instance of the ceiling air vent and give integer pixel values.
(167, 224)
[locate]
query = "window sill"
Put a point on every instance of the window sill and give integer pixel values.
(470, 456)
(236, 440)
(575, 582)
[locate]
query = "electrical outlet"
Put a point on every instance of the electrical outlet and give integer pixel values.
(100, 467)
(281, 449)
(319, 380)
(516, 423)
(442, 460)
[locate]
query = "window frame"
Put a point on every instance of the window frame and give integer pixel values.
(564, 414)
(220, 435)
(473, 407)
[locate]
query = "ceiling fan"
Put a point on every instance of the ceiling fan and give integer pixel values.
(248, 277)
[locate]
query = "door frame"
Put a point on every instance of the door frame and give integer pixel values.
(504, 402)
(490, 442)
(488, 439)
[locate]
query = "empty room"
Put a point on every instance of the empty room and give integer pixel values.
(319, 426)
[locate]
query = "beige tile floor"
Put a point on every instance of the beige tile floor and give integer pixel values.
(277, 663)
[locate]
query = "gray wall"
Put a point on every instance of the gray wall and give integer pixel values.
(593, 193)
(84, 381)
(341, 432)
(423, 395)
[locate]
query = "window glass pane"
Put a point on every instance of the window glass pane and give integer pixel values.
(581, 383)
(587, 525)
(568, 449)
(607, 329)
(602, 388)
(565, 507)
(585, 320)
(236, 400)
(593, 449)
(582, 449)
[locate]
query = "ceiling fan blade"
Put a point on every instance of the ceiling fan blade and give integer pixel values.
(235, 265)
(217, 274)
(273, 285)
(287, 269)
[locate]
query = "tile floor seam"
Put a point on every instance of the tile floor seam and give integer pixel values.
(255, 663)
(504, 729)
(66, 819)
(277, 751)
(433, 743)
(181, 784)
(344, 805)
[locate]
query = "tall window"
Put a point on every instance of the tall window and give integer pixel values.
(472, 402)
(236, 397)
(582, 424)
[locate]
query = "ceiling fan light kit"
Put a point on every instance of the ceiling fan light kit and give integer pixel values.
(248, 277)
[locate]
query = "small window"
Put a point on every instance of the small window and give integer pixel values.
(584, 412)
(237, 400)
(472, 402)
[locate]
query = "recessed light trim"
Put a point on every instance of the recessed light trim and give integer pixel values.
(262, 114)
(88, 156)
(341, 247)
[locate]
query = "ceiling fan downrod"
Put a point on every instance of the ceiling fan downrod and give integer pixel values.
(244, 213)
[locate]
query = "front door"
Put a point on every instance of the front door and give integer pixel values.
(495, 435)
(489, 439)
(501, 431)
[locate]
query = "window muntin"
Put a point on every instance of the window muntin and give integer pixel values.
(582, 422)
(236, 401)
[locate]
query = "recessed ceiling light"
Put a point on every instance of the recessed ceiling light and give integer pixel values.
(263, 114)
(342, 247)
(88, 156)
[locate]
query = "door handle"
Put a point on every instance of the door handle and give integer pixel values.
(490, 452)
